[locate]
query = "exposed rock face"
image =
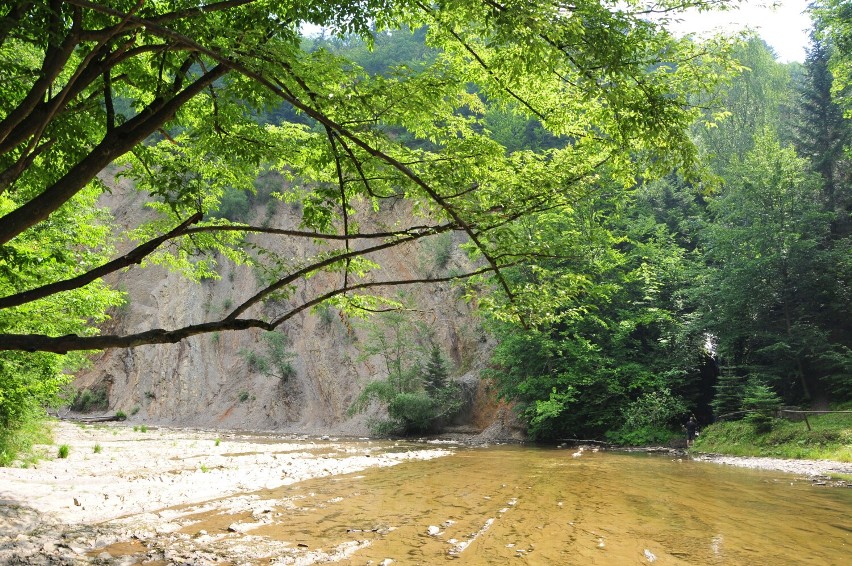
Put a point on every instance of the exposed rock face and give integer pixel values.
(207, 380)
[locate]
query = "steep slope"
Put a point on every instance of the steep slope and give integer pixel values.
(210, 380)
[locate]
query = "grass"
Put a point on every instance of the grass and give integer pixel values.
(218, 441)
(64, 450)
(830, 438)
(97, 449)
(16, 444)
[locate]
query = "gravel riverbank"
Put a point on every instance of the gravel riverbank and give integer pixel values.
(815, 469)
(120, 484)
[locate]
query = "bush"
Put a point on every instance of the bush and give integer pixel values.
(87, 400)
(412, 411)
(649, 419)
(234, 206)
(276, 361)
(19, 441)
(642, 435)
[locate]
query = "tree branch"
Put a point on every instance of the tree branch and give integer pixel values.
(121, 140)
(74, 342)
(55, 59)
(134, 257)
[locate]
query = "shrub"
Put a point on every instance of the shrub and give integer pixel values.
(234, 206)
(19, 441)
(276, 361)
(642, 435)
(413, 412)
(442, 249)
(88, 400)
(656, 409)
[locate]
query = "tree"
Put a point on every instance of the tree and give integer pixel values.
(774, 293)
(761, 402)
(833, 19)
(193, 102)
(162, 89)
(615, 333)
(823, 133)
(435, 371)
(415, 391)
(730, 389)
(754, 100)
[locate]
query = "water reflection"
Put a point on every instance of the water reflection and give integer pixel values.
(541, 506)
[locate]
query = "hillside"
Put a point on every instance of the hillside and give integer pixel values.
(210, 380)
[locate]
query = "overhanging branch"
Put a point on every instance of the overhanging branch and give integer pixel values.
(131, 258)
(74, 342)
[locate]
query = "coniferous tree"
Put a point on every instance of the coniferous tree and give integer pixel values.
(729, 393)
(761, 402)
(822, 131)
(435, 372)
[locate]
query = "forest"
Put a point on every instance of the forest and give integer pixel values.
(656, 225)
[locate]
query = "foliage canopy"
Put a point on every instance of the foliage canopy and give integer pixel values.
(171, 93)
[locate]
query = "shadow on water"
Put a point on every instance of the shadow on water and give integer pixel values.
(541, 506)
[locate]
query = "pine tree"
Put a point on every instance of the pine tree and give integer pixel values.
(729, 394)
(435, 372)
(823, 133)
(761, 402)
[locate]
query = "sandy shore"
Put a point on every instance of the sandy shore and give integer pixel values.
(125, 496)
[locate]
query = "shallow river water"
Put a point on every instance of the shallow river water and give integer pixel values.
(512, 504)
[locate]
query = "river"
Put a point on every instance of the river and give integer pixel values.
(512, 504)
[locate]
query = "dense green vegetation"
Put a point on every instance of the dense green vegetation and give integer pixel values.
(641, 211)
(726, 293)
(417, 393)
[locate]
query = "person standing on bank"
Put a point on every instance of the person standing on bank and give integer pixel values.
(691, 431)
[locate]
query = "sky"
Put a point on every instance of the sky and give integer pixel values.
(784, 28)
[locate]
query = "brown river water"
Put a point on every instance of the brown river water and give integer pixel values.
(523, 505)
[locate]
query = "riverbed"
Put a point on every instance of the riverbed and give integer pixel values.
(166, 496)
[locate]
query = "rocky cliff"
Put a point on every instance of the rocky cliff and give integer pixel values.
(210, 380)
